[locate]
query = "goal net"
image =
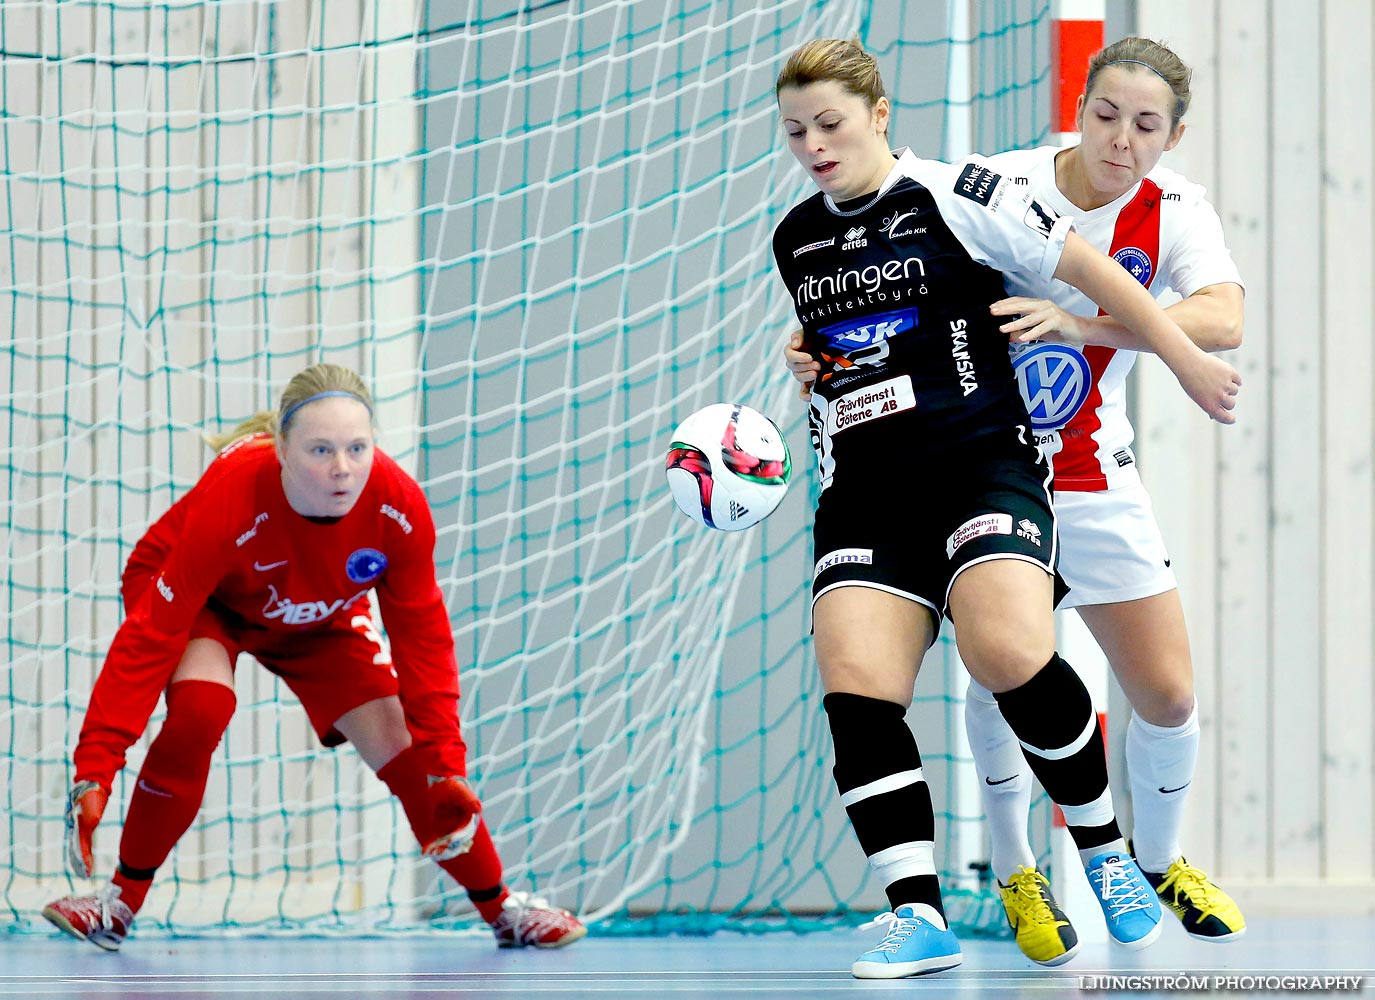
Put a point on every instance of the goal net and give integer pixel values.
(541, 232)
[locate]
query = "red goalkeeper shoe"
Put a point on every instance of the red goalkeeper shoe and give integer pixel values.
(103, 919)
(528, 921)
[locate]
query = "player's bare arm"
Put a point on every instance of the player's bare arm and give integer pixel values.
(1212, 318)
(1209, 381)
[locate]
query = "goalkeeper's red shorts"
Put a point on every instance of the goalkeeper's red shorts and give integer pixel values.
(332, 669)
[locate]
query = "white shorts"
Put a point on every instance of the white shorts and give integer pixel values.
(1111, 549)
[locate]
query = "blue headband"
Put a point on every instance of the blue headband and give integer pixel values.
(291, 411)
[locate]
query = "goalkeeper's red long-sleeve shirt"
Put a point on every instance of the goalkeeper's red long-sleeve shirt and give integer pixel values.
(234, 543)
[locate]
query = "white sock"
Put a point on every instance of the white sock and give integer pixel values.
(1007, 803)
(1160, 766)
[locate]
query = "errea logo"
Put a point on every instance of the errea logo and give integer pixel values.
(1029, 530)
(854, 239)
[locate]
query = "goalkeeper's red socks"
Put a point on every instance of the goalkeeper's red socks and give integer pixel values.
(172, 782)
(132, 891)
(479, 868)
(404, 775)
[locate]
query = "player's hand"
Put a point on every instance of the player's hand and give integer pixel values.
(85, 806)
(1211, 383)
(457, 811)
(1039, 319)
(803, 366)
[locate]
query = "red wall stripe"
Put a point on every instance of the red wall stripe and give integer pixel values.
(1071, 44)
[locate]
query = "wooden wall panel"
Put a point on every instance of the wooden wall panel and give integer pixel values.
(1345, 307)
(1295, 473)
(1280, 132)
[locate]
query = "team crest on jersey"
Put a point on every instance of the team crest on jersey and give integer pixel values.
(897, 225)
(1054, 381)
(1137, 262)
(365, 565)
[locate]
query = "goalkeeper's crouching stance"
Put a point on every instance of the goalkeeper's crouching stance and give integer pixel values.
(274, 552)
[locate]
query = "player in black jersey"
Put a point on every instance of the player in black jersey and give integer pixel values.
(934, 499)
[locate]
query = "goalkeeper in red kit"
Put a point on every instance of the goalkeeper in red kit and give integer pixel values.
(275, 552)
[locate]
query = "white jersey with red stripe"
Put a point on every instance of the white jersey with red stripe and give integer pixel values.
(1167, 235)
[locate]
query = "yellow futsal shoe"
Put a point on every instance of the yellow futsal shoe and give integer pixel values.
(1207, 912)
(1044, 933)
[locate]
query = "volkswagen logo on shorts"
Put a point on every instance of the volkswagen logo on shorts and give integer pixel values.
(365, 565)
(1054, 381)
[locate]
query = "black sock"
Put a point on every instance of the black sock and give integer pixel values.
(878, 773)
(1052, 715)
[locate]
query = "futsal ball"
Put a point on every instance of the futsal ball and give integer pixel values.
(728, 466)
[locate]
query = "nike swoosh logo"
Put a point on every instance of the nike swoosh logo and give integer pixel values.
(263, 569)
(1170, 791)
(151, 790)
(1003, 782)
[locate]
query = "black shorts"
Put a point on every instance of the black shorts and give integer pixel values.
(912, 539)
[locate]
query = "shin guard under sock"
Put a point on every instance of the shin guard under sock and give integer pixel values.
(477, 869)
(878, 772)
(171, 783)
(1053, 717)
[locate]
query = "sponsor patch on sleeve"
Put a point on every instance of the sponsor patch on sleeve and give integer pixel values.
(977, 183)
(1040, 218)
(976, 527)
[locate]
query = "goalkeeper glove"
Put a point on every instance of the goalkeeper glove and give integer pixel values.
(456, 810)
(85, 806)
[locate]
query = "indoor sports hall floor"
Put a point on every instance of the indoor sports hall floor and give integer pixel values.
(773, 965)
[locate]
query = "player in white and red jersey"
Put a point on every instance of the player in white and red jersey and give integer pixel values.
(892, 267)
(274, 552)
(1072, 363)
(1162, 229)
(1165, 233)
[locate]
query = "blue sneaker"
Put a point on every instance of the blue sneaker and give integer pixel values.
(913, 946)
(1130, 904)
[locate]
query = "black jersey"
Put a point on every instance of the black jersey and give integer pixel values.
(893, 292)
